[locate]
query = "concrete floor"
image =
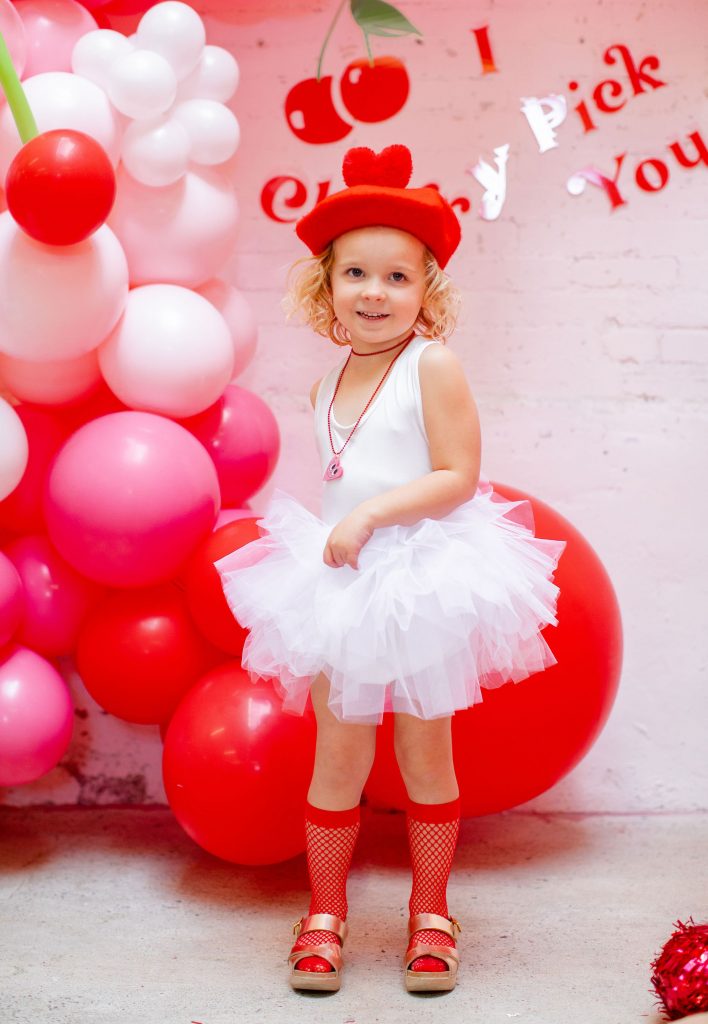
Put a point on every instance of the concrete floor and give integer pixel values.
(115, 915)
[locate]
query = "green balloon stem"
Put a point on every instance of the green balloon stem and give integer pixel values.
(24, 118)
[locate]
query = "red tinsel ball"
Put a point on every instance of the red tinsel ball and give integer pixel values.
(680, 976)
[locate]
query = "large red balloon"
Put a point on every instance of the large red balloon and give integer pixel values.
(60, 186)
(205, 594)
(138, 653)
(241, 434)
(526, 736)
(22, 510)
(237, 769)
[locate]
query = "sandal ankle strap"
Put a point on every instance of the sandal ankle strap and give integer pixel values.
(436, 922)
(321, 923)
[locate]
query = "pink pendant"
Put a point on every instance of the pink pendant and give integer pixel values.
(334, 470)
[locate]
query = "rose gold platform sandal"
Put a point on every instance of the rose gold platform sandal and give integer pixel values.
(325, 981)
(432, 981)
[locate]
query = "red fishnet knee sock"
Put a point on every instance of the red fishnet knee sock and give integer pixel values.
(330, 838)
(432, 838)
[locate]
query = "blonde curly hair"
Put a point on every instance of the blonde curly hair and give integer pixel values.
(309, 294)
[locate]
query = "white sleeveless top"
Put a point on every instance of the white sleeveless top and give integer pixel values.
(390, 445)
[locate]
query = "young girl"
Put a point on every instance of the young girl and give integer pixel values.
(418, 585)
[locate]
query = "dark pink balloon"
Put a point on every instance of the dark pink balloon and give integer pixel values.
(241, 434)
(129, 497)
(57, 598)
(22, 511)
(11, 599)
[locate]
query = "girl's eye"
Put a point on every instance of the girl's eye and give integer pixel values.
(398, 275)
(355, 271)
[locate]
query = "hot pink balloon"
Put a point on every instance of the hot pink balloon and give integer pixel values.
(241, 434)
(11, 599)
(36, 716)
(236, 311)
(13, 32)
(57, 598)
(22, 511)
(129, 497)
(53, 28)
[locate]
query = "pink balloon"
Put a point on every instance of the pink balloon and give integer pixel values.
(53, 381)
(13, 32)
(178, 234)
(57, 598)
(236, 311)
(22, 511)
(241, 434)
(53, 28)
(36, 716)
(11, 599)
(129, 497)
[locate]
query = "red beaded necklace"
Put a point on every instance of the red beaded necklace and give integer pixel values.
(334, 470)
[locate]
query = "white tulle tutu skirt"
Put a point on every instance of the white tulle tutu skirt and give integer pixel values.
(435, 611)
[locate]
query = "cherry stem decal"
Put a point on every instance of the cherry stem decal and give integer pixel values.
(329, 33)
(24, 118)
(374, 18)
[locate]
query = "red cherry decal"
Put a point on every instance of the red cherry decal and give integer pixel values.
(374, 93)
(310, 112)
(60, 186)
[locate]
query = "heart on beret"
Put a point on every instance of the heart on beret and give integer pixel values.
(392, 167)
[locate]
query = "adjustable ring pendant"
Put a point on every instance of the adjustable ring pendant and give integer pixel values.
(334, 469)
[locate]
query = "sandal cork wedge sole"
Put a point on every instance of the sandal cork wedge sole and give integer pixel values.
(327, 981)
(432, 981)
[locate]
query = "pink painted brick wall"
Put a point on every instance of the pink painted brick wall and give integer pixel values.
(583, 332)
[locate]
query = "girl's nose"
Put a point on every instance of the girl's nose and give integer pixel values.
(373, 289)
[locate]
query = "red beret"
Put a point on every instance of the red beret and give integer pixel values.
(377, 194)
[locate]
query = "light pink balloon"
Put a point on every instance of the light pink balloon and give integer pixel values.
(238, 314)
(53, 28)
(53, 381)
(13, 32)
(57, 302)
(11, 599)
(36, 716)
(230, 515)
(179, 234)
(241, 434)
(57, 598)
(152, 359)
(128, 498)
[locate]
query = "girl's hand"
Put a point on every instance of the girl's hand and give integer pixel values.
(347, 539)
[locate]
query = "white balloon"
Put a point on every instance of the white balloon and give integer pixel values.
(212, 128)
(175, 31)
(182, 233)
(156, 152)
(141, 84)
(238, 314)
(53, 381)
(14, 449)
(215, 77)
(171, 352)
(57, 302)
(95, 52)
(61, 100)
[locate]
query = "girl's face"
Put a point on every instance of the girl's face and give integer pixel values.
(378, 283)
